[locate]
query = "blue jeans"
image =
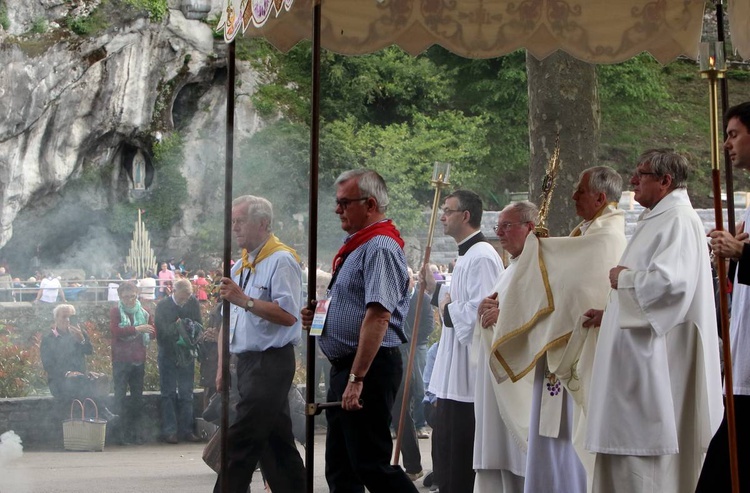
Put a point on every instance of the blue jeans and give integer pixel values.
(176, 384)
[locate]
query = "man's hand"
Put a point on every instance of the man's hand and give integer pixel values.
(725, 245)
(306, 316)
(614, 273)
(427, 279)
(488, 311)
(230, 291)
(446, 299)
(594, 318)
(350, 399)
(76, 332)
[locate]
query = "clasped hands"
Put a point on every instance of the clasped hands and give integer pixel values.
(488, 311)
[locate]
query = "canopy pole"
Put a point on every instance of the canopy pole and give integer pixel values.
(227, 259)
(312, 247)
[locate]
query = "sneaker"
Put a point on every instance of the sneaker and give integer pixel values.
(423, 433)
(171, 439)
(415, 475)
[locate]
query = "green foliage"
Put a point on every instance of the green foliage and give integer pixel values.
(628, 88)
(39, 26)
(4, 19)
(91, 24)
(742, 75)
(157, 9)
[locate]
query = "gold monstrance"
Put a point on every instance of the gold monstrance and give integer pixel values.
(548, 186)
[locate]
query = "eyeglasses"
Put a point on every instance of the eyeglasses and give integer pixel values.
(129, 297)
(448, 212)
(640, 174)
(505, 226)
(344, 203)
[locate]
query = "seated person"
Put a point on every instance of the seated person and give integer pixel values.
(63, 352)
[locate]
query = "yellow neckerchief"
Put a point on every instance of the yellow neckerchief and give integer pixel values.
(577, 230)
(271, 246)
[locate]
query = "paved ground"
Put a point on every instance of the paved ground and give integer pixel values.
(147, 468)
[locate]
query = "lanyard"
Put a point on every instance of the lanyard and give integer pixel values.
(243, 284)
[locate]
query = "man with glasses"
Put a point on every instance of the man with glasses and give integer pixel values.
(549, 357)
(655, 397)
(175, 374)
(715, 475)
(476, 271)
(362, 331)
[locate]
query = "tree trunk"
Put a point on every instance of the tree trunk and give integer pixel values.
(563, 99)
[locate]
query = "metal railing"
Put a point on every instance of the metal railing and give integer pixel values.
(91, 290)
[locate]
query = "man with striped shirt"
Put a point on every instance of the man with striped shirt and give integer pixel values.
(363, 327)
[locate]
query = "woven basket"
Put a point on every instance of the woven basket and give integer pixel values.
(84, 434)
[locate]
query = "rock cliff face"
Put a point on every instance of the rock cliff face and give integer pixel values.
(75, 107)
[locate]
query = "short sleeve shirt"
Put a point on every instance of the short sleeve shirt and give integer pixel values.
(373, 273)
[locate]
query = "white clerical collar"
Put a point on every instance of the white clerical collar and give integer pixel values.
(584, 226)
(472, 235)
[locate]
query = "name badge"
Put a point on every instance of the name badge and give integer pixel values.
(319, 320)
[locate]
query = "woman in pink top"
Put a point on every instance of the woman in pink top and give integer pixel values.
(200, 286)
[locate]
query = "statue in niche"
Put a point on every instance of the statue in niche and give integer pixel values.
(139, 171)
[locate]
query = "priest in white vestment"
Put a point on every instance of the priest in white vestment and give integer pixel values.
(655, 398)
(499, 455)
(455, 371)
(544, 333)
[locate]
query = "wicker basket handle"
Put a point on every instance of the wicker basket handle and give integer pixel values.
(96, 409)
(72, 405)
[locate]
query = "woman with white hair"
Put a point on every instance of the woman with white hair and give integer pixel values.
(63, 351)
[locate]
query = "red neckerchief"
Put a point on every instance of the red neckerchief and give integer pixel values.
(380, 228)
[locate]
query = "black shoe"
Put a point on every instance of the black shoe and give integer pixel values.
(171, 439)
(427, 481)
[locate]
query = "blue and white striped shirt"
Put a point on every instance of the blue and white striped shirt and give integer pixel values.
(373, 273)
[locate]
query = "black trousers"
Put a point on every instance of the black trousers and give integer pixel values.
(128, 375)
(715, 475)
(453, 437)
(358, 443)
(262, 431)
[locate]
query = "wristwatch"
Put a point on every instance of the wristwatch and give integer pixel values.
(354, 378)
(250, 304)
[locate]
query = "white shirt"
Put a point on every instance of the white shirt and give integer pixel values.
(277, 278)
(473, 277)
(147, 287)
(49, 289)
